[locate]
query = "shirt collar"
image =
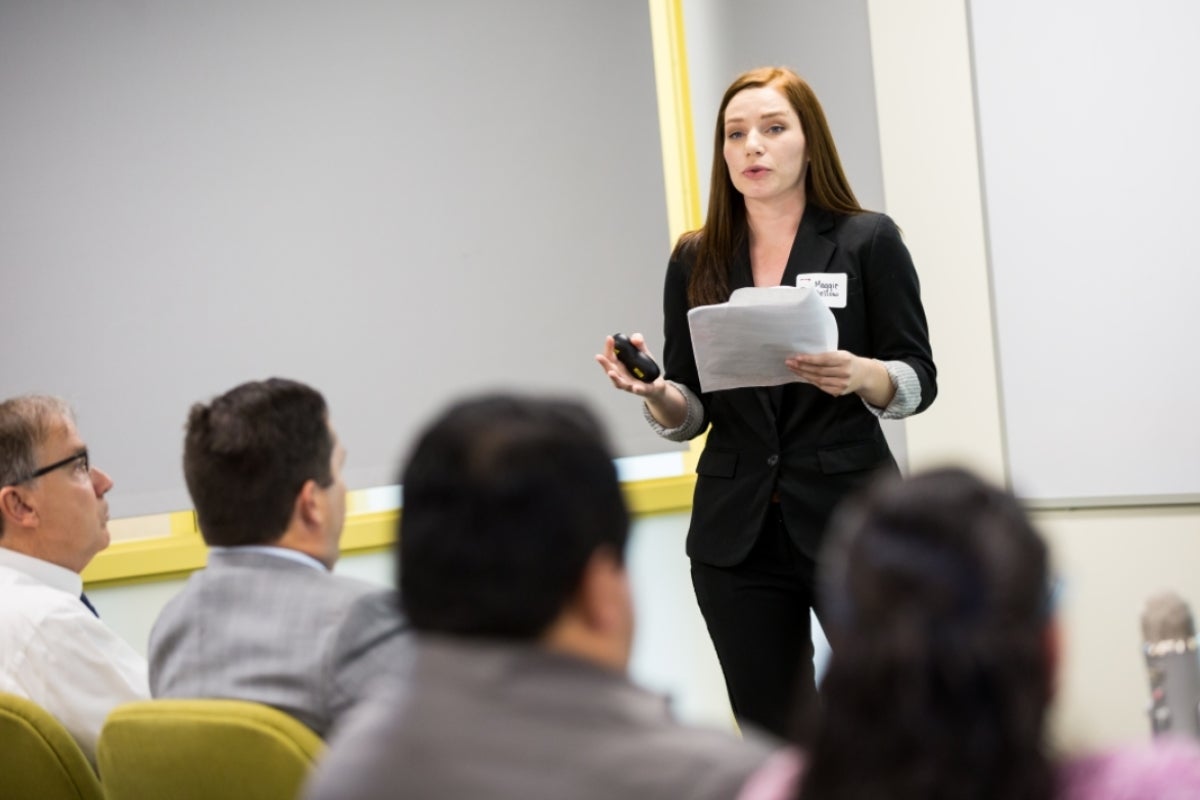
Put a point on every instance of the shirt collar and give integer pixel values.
(278, 552)
(43, 571)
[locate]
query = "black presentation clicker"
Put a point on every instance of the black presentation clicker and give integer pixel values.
(641, 365)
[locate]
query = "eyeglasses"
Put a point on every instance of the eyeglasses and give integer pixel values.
(81, 456)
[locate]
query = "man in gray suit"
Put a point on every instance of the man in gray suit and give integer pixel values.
(512, 545)
(267, 620)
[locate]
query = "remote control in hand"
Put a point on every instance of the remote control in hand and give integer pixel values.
(641, 365)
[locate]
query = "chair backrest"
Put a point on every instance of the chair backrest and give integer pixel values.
(39, 758)
(201, 749)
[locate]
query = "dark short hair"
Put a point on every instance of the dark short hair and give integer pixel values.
(505, 500)
(25, 423)
(247, 455)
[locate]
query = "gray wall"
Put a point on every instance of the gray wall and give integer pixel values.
(395, 202)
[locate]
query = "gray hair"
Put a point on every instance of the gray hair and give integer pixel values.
(25, 423)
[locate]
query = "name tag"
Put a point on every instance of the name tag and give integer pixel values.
(829, 286)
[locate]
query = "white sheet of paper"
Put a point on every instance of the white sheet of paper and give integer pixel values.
(744, 341)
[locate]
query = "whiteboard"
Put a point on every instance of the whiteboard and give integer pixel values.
(397, 203)
(1088, 118)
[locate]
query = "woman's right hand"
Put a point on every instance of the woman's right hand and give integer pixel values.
(622, 378)
(665, 402)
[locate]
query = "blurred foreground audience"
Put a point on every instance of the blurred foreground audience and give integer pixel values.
(512, 541)
(940, 609)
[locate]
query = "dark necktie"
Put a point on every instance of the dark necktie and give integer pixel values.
(83, 599)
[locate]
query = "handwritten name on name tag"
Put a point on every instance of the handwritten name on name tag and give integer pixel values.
(829, 286)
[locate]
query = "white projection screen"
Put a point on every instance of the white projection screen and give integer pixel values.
(1088, 122)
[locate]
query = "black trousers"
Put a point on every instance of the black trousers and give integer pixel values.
(758, 616)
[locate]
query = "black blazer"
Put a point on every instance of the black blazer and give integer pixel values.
(810, 447)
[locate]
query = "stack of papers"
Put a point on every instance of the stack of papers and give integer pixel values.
(744, 341)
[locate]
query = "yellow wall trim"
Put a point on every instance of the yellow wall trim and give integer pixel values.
(165, 557)
(678, 136)
(675, 117)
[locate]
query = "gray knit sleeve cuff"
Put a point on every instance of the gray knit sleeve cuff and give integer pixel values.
(691, 424)
(908, 392)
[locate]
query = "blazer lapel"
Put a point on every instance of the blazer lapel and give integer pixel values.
(740, 275)
(811, 250)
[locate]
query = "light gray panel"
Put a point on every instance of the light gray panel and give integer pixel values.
(396, 202)
(1088, 119)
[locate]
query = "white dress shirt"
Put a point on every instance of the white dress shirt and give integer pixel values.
(55, 652)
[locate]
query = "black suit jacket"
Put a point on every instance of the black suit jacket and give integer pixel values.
(810, 447)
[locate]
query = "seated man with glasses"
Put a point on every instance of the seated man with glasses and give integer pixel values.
(54, 650)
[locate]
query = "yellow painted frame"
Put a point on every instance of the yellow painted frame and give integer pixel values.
(153, 557)
(164, 557)
(680, 179)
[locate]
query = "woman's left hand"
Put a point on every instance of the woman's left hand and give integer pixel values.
(837, 373)
(840, 373)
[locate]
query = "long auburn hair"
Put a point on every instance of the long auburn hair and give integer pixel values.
(825, 185)
(936, 600)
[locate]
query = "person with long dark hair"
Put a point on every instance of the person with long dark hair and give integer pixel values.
(777, 460)
(939, 603)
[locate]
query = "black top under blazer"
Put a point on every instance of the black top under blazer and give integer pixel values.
(809, 446)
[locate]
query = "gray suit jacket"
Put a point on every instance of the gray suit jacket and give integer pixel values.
(253, 626)
(509, 721)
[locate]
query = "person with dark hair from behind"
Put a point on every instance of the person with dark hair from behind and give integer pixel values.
(941, 614)
(54, 649)
(512, 542)
(266, 620)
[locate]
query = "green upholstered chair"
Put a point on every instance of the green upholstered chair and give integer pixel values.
(38, 758)
(204, 750)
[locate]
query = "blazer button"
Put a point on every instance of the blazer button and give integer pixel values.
(772, 460)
